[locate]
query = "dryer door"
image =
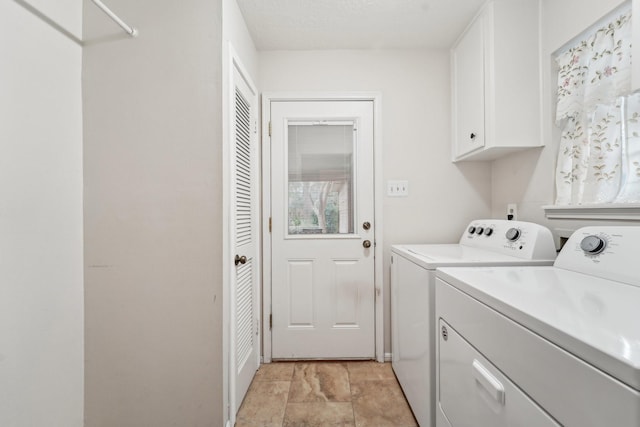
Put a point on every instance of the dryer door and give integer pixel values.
(473, 393)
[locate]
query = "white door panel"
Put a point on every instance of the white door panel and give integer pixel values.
(245, 219)
(322, 194)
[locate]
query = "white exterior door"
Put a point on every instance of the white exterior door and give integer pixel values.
(323, 243)
(245, 214)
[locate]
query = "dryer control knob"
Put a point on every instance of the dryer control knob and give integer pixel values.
(593, 245)
(488, 231)
(512, 234)
(471, 230)
(479, 230)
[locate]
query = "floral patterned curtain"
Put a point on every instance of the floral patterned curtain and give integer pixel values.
(596, 118)
(630, 191)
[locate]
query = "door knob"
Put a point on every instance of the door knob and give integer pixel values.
(240, 259)
(366, 225)
(366, 244)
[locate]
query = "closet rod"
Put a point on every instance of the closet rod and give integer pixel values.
(132, 31)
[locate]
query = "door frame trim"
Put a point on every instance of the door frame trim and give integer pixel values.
(376, 98)
(232, 63)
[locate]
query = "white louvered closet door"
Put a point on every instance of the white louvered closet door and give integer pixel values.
(246, 214)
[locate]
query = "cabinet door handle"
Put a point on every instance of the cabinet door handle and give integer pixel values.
(473, 135)
(488, 381)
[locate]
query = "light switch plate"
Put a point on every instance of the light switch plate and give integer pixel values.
(397, 188)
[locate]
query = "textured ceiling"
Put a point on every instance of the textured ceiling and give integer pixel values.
(356, 24)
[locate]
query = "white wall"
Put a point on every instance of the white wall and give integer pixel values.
(527, 178)
(153, 215)
(41, 295)
(415, 87)
(235, 31)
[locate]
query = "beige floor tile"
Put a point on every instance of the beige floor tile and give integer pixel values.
(319, 414)
(245, 423)
(277, 371)
(320, 382)
(380, 403)
(336, 394)
(359, 371)
(264, 405)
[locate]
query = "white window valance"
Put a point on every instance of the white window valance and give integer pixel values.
(599, 154)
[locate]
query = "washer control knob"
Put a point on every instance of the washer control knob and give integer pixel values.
(479, 230)
(471, 230)
(512, 234)
(488, 231)
(593, 245)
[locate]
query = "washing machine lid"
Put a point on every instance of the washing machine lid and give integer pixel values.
(456, 255)
(595, 319)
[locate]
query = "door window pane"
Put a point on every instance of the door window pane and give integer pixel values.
(320, 178)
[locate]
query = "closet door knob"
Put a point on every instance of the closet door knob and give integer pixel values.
(472, 136)
(366, 244)
(240, 259)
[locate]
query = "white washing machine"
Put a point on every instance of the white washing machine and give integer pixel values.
(484, 242)
(544, 346)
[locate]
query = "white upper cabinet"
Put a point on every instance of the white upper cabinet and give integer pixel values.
(496, 85)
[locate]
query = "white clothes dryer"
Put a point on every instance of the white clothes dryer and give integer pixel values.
(413, 275)
(543, 346)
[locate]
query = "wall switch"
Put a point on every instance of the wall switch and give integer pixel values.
(512, 212)
(398, 188)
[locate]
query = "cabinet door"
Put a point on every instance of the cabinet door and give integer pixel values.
(474, 393)
(468, 88)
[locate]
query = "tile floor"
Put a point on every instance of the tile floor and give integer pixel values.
(314, 394)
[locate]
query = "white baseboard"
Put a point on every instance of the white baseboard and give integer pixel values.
(388, 357)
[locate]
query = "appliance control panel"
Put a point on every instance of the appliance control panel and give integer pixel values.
(606, 252)
(522, 239)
